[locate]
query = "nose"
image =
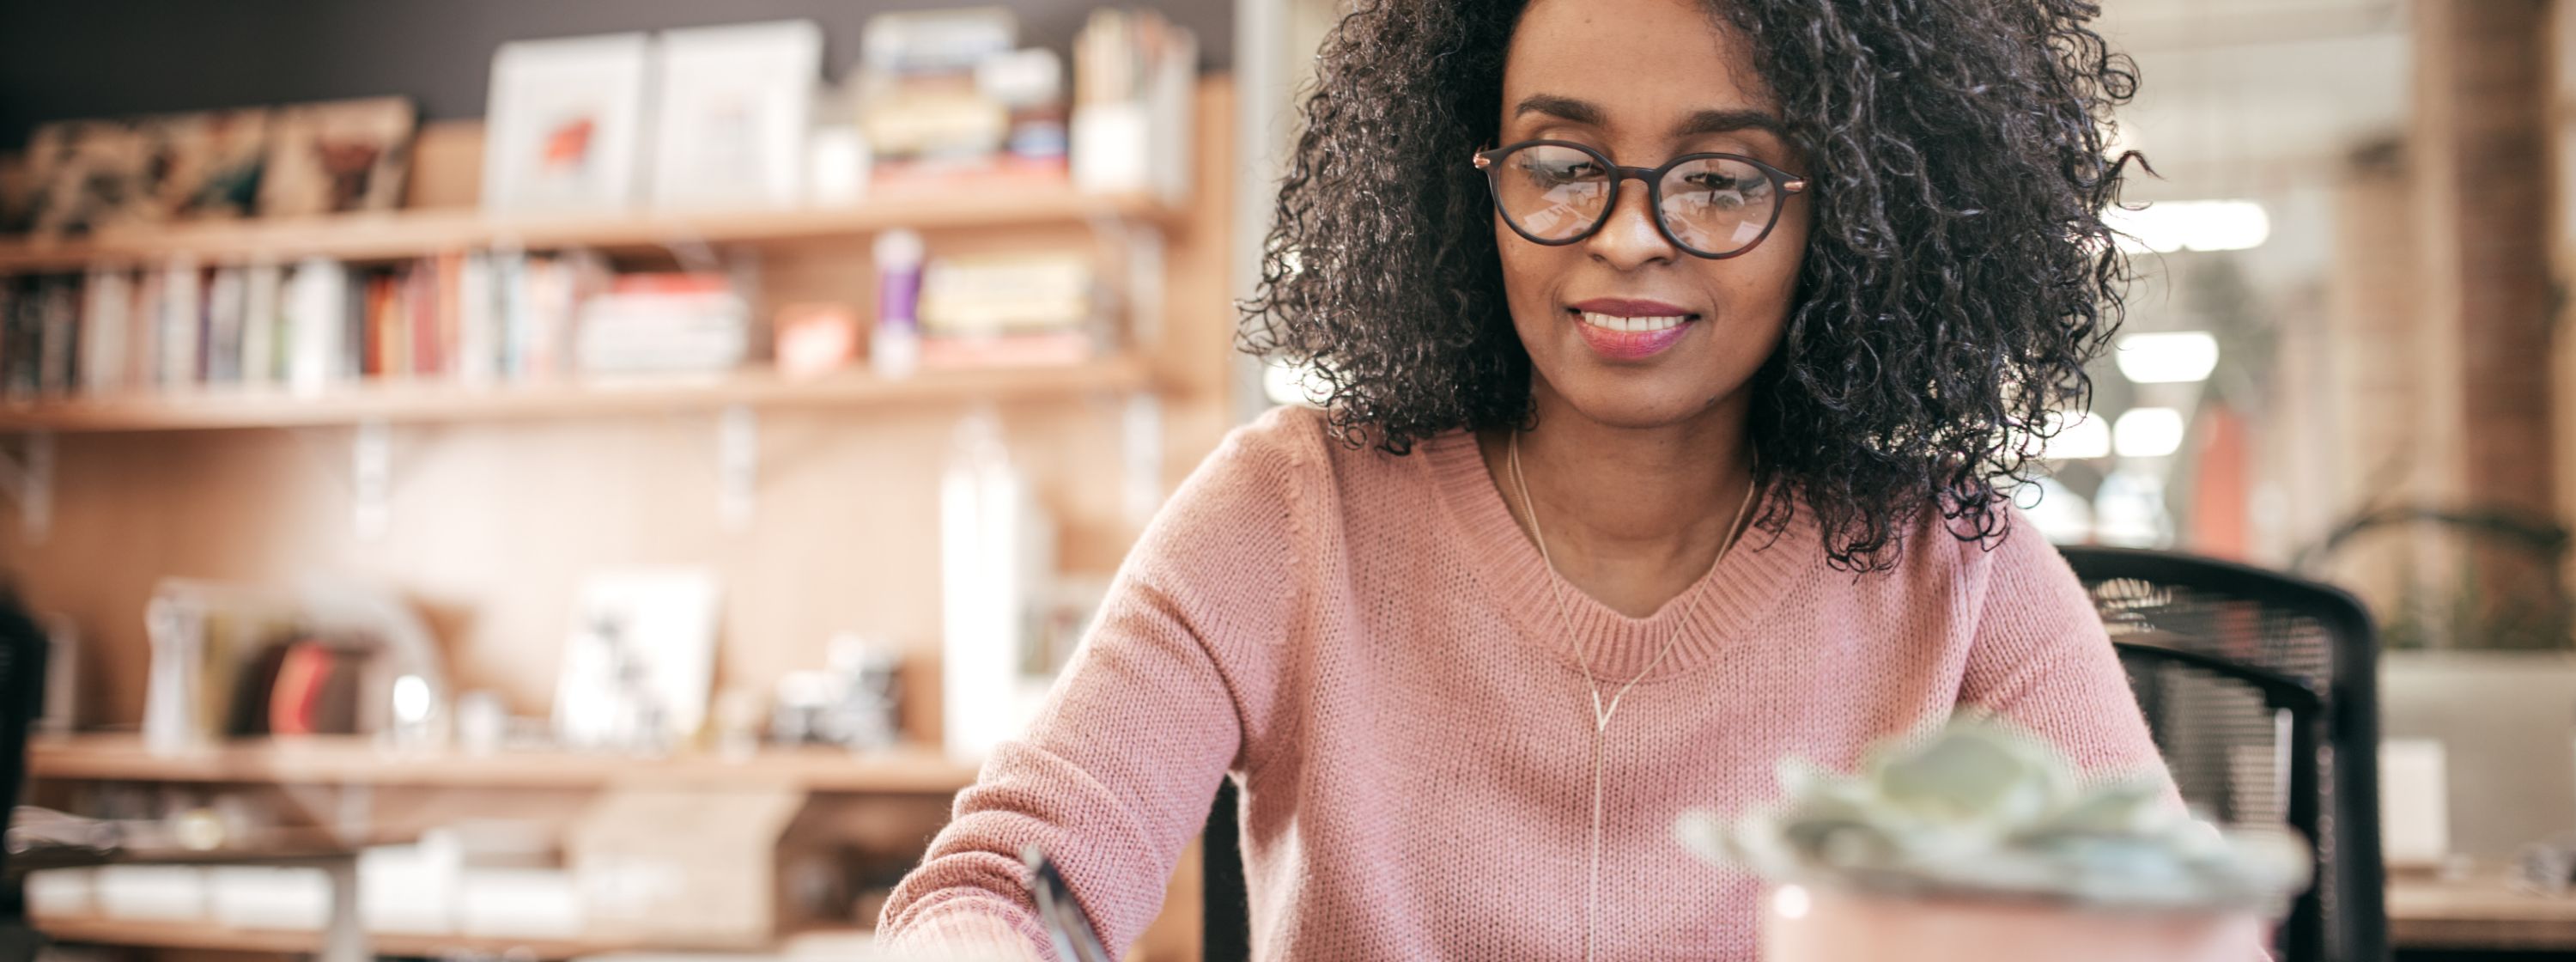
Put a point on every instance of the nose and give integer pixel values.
(1628, 238)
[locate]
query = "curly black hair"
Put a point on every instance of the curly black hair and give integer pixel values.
(1958, 275)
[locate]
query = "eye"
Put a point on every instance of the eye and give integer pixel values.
(1556, 166)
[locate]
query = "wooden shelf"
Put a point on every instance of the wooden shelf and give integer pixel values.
(355, 761)
(416, 233)
(215, 407)
(209, 936)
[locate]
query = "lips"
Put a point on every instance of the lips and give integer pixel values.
(1620, 329)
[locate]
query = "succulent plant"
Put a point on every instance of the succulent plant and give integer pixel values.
(1978, 808)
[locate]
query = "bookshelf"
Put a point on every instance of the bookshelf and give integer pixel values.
(447, 402)
(325, 760)
(501, 498)
(426, 232)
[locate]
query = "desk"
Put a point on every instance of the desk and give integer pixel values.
(2478, 913)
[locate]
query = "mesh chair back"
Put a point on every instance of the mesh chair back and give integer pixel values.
(2261, 691)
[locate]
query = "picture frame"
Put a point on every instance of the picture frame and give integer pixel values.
(338, 157)
(735, 103)
(90, 174)
(565, 123)
(215, 163)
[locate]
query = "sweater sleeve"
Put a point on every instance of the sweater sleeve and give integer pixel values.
(2042, 659)
(1117, 772)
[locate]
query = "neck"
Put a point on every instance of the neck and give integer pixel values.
(1632, 515)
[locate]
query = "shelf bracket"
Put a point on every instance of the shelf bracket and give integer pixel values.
(371, 474)
(27, 477)
(737, 466)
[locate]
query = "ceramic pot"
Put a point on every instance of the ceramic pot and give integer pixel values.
(1818, 924)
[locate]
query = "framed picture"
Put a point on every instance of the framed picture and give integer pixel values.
(734, 104)
(564, 130)
(212, 162)
(89, 174)
(332, 158)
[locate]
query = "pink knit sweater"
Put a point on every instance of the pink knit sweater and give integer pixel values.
(1368, 643)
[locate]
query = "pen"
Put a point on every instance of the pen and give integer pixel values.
(1066, 924)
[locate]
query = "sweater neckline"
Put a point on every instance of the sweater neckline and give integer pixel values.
(1722, 605)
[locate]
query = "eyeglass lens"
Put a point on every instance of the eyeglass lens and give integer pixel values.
(1712, 205)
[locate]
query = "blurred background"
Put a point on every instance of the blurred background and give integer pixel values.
(569, 479)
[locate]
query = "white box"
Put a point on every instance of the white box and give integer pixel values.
(265, 897)
(161, 893)
(59, 892)
(541, 903)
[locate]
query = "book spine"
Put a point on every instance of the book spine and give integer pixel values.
(182, 323)
(260, 342)
(103, 331)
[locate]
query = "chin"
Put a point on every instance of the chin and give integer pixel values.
(1634, 400)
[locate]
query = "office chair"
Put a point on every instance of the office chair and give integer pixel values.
(2261, 690)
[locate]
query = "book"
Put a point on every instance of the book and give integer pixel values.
(57, 331)
(108, 300)
(262, 355)
(181, 323)
(225, 293)
(314, 321)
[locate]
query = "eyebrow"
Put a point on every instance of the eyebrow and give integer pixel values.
(1697, 124)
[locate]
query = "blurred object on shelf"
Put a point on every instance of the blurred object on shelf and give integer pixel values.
(89, 174)
(996, 556)
(411, 888)
(1012, 310)
(212, 162)
(815, 339)
(334, 657)
(293, 161)
(564, 128)
(731, 109)
(915, 88)
(61, 713)
(1042, 291)
(675, 323)
(1135, 77)
(696, 865)
(894, 342)
(34, 828)
(855, 703)
(334, 158)
(1029, 84)
(290, 898)
(641, 660)
(836, 165)
(482, 722)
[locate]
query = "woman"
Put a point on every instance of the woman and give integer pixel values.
(1675, 350)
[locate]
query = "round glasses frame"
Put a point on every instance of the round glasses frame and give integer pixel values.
(1785, 182)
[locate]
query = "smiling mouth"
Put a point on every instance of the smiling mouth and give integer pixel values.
(1627, 333)
(1632, 325)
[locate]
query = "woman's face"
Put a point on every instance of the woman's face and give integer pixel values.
(1644, 81)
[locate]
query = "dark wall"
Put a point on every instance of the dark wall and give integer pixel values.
(63, 59)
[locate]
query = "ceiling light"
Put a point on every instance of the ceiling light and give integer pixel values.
(2147, 433)
(2190, 225)
(2180, 357)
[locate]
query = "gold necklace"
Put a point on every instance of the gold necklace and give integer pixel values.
(1601, 714)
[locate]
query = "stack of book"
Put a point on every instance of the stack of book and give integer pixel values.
(656, 324)
(1010, 310)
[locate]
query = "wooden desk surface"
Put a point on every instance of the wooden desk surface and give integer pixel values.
(2481, 911)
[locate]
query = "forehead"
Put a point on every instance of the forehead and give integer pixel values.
(1641, 61)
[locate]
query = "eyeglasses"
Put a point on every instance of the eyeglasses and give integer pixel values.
(1557, 192)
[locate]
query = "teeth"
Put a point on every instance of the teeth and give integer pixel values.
(1631, 324)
